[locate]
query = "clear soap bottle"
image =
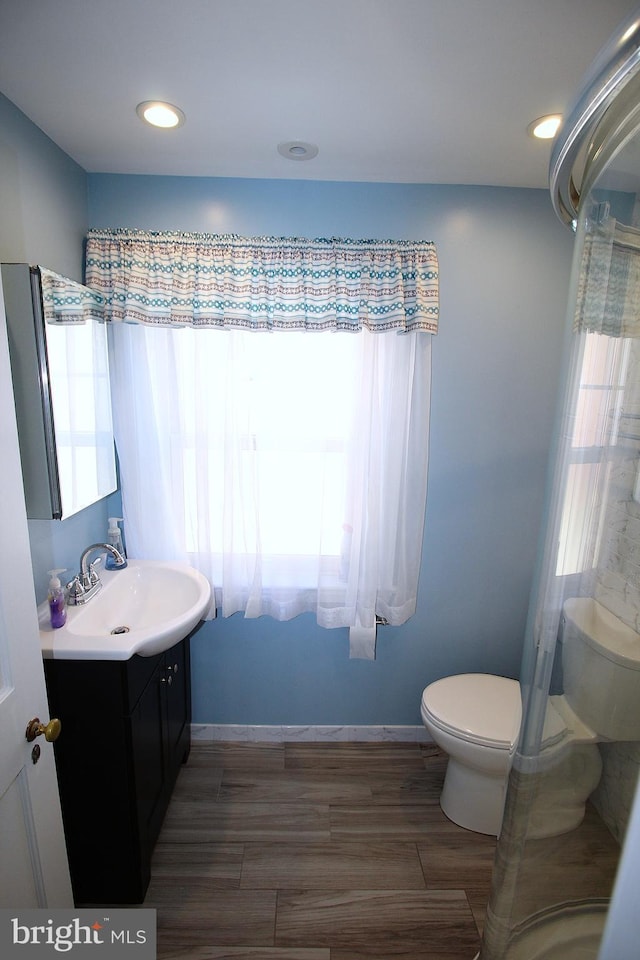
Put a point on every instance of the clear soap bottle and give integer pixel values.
(114, 538)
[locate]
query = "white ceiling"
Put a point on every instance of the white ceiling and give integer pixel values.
(413, 91)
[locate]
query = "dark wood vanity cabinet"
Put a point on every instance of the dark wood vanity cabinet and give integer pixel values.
(125, 732)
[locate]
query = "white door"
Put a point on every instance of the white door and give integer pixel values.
(34, 871)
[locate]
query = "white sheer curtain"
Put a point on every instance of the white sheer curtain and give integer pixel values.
(290, 468)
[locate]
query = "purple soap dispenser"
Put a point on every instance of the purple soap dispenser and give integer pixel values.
(56, 599)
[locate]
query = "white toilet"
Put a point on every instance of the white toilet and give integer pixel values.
(475, 718)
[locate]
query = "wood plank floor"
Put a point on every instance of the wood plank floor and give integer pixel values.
(316, 851)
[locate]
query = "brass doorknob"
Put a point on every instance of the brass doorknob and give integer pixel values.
(51, 730)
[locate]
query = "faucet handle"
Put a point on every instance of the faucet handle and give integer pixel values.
(93, 576)
(75, 590)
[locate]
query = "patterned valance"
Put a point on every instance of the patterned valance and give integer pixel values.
(65, 301)
(608, 295)
(264, 283)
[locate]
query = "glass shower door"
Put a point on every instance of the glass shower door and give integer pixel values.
(576, 769)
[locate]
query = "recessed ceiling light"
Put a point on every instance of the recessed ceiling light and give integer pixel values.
(545, 128)
(160, 114)
(297, 150)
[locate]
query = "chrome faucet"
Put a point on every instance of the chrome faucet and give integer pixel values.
(87, 583)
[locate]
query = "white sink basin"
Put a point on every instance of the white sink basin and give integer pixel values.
(143, 609)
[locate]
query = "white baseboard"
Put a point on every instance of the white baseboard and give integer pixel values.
(261, 733)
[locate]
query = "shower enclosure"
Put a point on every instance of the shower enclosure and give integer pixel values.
(576, 769)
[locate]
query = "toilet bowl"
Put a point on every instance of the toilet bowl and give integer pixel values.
(475, 718)
(565, 772)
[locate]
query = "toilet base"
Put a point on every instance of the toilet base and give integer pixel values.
(563, 788)
(472, 799)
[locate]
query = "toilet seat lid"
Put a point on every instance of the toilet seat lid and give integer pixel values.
(477, 707)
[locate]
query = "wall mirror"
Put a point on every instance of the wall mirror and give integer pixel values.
(60, 370)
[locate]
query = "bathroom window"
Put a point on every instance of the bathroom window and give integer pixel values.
(271, 414)
(289, 402)
(598, 427)
(290, 468)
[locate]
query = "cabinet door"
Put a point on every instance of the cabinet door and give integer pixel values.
(160, 738)
(95, 776)
(178, 716)
(149, 757)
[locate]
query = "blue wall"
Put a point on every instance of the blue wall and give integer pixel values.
(504, 266)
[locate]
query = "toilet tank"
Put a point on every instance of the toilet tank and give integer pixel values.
(601, 668)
